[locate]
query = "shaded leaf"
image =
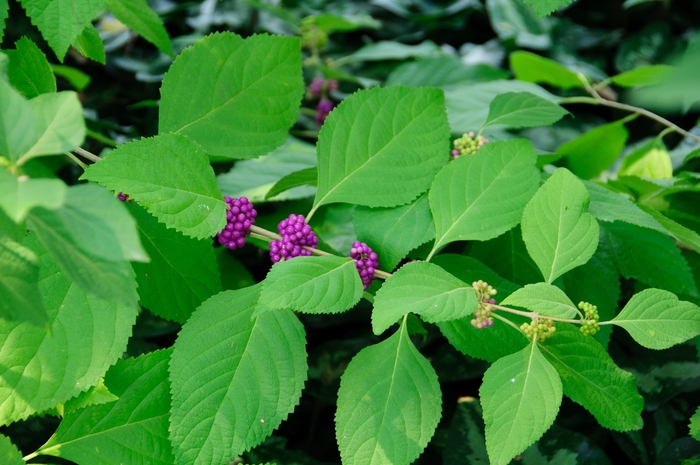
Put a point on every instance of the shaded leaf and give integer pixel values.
(89, 44)
(28, 69)
(676, 230)
(558, 231)
(441, 71)
(222, 354)
(18, 124)
(234, 104)
(390, 50)
(357, 157)
(642, 76)
(546, 7)
(488, 344)
(424, 289)
(594, 151)
(305, 177)
(97, 395)
(19, 283)
(469, 269)
(507, 255)
(171, 177)
(140, 18)
(8, 451)
(612, 206)
(19, 195)
(656, 319)
(388, 403)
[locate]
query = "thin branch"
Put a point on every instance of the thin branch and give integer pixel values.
(534, 315)
(633, 109)
(87, 155)
(77, 160)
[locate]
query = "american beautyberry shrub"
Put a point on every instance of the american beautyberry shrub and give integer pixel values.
(468, 144)
(240, 216)
(366, 262)
(296, 234)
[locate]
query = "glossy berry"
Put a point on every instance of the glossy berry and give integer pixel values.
(123, 197)
(316, 87)
(365, 262)
(589, 324)
(240, 216)
(468, 144)
(296, 234)
(323, 108)
(484, 296)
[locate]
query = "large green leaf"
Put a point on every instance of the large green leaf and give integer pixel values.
(531, 67)
(468, 103)
(359, 159)
(594, 151)
(507, 255)
(28, 70)
(326, 284)
(489, 343)
(60, 21)
(222, 356)
(171, 177)
(520, 396)
(676, 230)
(182, 273)
(140, 18)
(393, 232)
(642, 76)
(18, 124)
(523, 110)
(19, 284)
(441, 71)
(255, 178)
(60, 124)
(591, 378)
(546, 7)
(19, 195)
(658, 320)
(648, 256)
(558, 231)
(235, 104)
(469, 269)
(388, 404)
(424, 289)
(45, 369)
(132, 430)
(611, 206)
(9, 455)
(483, 195)
(544, 299)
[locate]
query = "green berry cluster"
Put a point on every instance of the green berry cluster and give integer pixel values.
(484, 295)
(468, 144)
(540, 329)
(312, 37)
(589, 324)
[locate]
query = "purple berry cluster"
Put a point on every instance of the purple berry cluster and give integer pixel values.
(365, 261)
(296, 234)
(240, 216)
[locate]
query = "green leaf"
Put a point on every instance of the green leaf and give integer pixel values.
(333, 23)
(182, 273)
(388, 404)
(305, 177)
(530, 67)
(466, 197)
(488, 344)
(19, 283)
(60, 21)
(28, 70)
(171, 177)
(441, 71)
(19, 195)
(390, 50)
(51, 367)
(612, 206)
(97, 395)
(558, 231)
(513, 21)
(221, 356)
(695, 425)
(255, 178)
(657, 320)
(546, 7)
(596, 150)
(591, 379)
(648, 256)
(140, 18)
(18, 124)
(653, 162)
(679, 232)
(4, 12)
(424, 289)
(327, 284)
(465, 443)
(89, 44)
(523, 110)
(133, 430)
(75, 77)
(469, 269)
(9, 455)
(60, 124)
(211, 88)
(357, 157)
(468, 103)
(393, 232)
(642, 76)
(507, 255)
(544, 299)
(520, 396)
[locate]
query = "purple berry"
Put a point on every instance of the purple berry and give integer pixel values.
(240, 216)
(123, 197)
(316, 86)
(295, 233)
(323, 109)
(365, 262)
